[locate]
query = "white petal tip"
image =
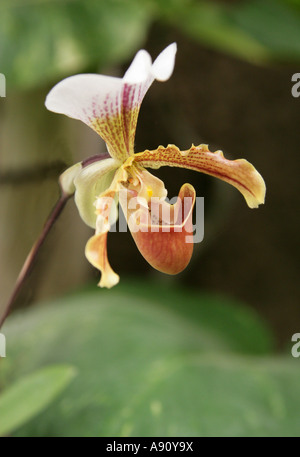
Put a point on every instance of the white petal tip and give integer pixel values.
(139, 69)
(163, 66)
(60, 98)
(55, 98)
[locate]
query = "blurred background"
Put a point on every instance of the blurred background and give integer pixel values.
(231, 89)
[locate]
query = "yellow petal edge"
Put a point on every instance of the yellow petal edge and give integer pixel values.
(239, 173)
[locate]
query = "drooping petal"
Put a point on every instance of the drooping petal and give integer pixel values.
(96, 247)
(161, 231)
(110, 105)
(239, 173)
(96, 253)
(91, 182)
(106, 210)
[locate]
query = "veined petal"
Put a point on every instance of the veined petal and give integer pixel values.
(239, 173)
(96, 247)
(94, 100)
(161, 231)
(109, 105)
(137, 80)
(91, 182)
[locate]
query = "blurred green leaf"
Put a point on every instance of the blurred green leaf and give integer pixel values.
(256, 30)
(40, 41)
(153, 365)
(43, 41)
(220, 315)
(211, 23)
(30, 395)
(273, 24)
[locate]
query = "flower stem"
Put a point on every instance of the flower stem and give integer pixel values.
(28, 264)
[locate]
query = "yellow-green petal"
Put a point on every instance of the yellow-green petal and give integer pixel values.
(66, 179)
(91, 182)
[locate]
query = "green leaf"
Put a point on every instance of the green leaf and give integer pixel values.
(259, 31)
(211, 24)
(220, 315)
(273, 24)
(155, 360)
(43, 41)
(30, 395)
(211, 396)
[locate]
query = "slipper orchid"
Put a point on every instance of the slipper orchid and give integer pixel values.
(110, 106)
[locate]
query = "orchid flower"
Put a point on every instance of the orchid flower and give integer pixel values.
(110, 106)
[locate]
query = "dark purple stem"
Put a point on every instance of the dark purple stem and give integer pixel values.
(26, 269)
(95, 158)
